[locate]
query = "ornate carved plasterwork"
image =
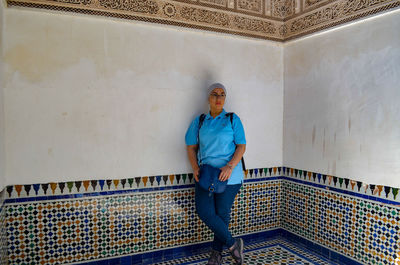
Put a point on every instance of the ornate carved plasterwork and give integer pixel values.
(215, 2)
(335, 13)
(277, 20)
(205, 16)
(169, 10)
(312, 3)
(142, 6)
(283, 30)
(282, 8)
(250, 5)
(254, 25)
(77, 2)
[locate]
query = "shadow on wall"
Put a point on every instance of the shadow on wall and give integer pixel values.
(206, 79)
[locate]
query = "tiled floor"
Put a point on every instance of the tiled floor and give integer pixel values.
(277, 251)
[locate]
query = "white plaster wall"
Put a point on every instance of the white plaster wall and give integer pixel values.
(341, 102)
(92, 98)
(2, 128)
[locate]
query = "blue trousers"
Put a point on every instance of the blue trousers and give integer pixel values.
(215, 212)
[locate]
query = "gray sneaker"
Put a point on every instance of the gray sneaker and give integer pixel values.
(237, 252)
(215, 258)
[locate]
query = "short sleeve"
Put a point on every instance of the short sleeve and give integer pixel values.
(191, 133)
(238, 131)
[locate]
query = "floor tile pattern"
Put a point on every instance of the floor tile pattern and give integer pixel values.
(365, 230)
(277, 251)
(65, 231)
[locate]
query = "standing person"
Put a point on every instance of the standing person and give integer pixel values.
(222, 145)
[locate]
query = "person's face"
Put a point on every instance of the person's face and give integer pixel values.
(217, 99)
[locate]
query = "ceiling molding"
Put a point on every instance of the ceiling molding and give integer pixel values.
(277, 20)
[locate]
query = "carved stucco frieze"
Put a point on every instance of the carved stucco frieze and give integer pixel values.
(333, 14)
(277, 20)
(312, 3)
(254, 25)
(215, 2)
(235, 23)
(141, 6)
(169, 10)
(283, 8)
(250, 5)
(77, 2)
(205, 16)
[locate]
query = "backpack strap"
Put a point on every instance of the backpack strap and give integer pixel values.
(201, 120)
(230, 114)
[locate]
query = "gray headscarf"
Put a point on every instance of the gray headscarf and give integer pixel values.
(214, 86)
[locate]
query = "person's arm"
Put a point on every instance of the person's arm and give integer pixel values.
(226, 171)
(192, 155)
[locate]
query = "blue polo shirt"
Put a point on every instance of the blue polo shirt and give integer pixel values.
(218, 140)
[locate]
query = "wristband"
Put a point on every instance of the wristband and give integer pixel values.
(230, 165)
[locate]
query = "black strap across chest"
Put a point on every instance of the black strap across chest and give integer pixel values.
(201, 121)
(203, 116)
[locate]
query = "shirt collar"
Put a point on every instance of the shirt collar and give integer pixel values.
(222, 114)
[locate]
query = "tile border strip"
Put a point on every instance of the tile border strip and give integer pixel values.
(143, 183)
(345, 192)
(118, 192)
(89, 188)
(379, 193)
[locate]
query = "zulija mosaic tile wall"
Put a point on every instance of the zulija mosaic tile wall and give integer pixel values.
(3, 233)
(349, 220)
(61, 223)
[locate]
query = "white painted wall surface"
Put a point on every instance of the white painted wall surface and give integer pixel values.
(342, 102)
(95, 98)
(2, 117)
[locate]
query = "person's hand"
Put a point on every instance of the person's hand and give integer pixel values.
(196, 173)
(225, 174)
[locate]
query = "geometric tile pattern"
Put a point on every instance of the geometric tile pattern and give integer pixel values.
(257, 208)
(362, 229)
(136, 215)
(3, 232)
(65, 231)
(277, 20)
(273, 255)
(275, 251)
(69, 231)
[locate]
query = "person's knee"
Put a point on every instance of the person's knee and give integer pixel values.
(205, 214)
(224, 214)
